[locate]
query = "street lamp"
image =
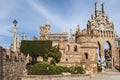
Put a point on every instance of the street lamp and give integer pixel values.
(15, 22)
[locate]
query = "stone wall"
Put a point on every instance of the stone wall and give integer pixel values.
(11, 68)
(57, 77)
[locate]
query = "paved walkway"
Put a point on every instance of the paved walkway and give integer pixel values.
(107, 76)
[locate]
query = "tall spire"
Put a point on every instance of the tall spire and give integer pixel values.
(96, 8)
(103, 11)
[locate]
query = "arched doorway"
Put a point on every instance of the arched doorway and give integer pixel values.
(107, 55)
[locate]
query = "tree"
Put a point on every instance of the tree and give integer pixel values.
(35, 48)
(55, 54)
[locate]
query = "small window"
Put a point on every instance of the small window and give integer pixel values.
(66, 59)
(75, 48)
(86, 55)
(68, 47)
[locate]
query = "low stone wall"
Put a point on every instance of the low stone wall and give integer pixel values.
(57, 77)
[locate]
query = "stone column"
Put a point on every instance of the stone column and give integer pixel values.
(15, 35)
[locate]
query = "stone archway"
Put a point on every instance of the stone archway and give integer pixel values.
(108, 54)
(105, 54)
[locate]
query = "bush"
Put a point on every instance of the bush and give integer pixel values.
(44, 68)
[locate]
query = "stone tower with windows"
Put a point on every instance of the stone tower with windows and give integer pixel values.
(44, 29)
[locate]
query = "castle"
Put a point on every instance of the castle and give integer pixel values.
(81, 48)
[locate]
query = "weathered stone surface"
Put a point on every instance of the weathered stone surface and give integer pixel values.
(57, 77)
(11, 68)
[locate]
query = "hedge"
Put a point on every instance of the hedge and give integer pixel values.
(35, 48)
(44, 68)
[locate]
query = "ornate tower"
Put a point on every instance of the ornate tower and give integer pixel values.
(104, 28)
(15, 35)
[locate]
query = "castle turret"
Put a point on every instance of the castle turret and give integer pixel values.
(15, 35)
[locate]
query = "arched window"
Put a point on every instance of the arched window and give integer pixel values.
(7, 57)
(75, 48)
(86, 55)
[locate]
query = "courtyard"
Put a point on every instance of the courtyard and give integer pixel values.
(107, 76)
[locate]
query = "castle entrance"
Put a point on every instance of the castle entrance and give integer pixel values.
(104, 52)
(107, 55)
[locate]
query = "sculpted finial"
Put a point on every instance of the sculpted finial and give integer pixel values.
(103, 8)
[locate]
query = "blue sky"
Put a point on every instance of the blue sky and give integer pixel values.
(61, 14)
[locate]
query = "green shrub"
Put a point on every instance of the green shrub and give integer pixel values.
(44, 68)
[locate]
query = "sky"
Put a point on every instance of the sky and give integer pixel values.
(61, 14)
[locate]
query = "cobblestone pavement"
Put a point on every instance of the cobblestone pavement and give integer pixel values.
(107, 76)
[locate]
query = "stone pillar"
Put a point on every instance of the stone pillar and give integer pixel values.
(18, 41)
(15, 35)
(23, 37)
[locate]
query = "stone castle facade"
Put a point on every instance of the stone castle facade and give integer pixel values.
(81, 50)
(45, 34)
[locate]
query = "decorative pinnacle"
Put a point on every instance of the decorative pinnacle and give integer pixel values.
(15, 22)
(103, 8)
(96, 6)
